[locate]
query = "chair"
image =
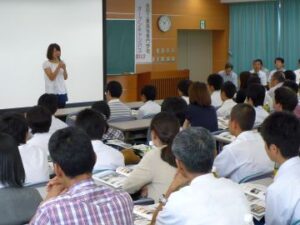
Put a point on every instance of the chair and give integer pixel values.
(257, 176)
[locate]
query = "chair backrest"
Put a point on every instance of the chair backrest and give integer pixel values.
(257, 176)
(18, 205)
(122, 119)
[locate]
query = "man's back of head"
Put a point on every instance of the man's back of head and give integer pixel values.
(285, 99)
(242, 118)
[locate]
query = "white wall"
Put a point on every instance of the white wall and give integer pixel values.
(27, 27)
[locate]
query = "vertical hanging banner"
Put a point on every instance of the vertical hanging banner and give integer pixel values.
(143, 31)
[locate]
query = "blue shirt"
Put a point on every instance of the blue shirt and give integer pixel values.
(202, 116)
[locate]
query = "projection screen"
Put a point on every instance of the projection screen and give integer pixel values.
(27, 28)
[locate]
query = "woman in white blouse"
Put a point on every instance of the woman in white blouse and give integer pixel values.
(55, 74)
(156, 170)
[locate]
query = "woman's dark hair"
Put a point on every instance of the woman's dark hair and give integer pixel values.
(199, 94)
(51, 49)
(166, 126)
(12, 172)
(15, 125)
(244, 77)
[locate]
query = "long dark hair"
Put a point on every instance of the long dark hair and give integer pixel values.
(12, 172)
(166, 126)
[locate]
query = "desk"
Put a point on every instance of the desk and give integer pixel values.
(133, 125)
(136, 105)
(265, 181)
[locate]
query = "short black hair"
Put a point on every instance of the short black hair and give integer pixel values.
(115, 89)
(244, 115)
(286, 98)
(103, 108)
(290, 75)
(253, 79)
(292, 85)
(49, 101)
(149, 91)
(39, 119)
(50, 50)
(215, 80)
(258, 60)
(257, 93)
(279, 59)
(229, 89)
(183, 86)
(176, 106)
(71, 148)
(228, 65)
(195, 148)
(92, 122)
(15, 125)
(283, 130)
(12, 172)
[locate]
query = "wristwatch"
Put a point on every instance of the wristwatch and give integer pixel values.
(163, 200)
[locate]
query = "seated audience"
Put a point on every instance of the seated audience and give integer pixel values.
(241, 94)
(118, 109)
(73, 197)
(214, 83)
(228, 91)
(276, 82)
(255, 97)
(157, 168)
(17, 204)
(110, 132)
(34, 159)
(150, 107)
(258, 69)
(229, 75)
(245, 156)
(281, 132)
(294, 87)
(200, 113)
(196, 196)
(285, 100)
(39, 121)
(50, 102)
(175, 106)
(279, 67)
(94, 125)
(183, 89)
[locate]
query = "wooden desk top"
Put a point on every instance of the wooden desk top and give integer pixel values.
(131, 125)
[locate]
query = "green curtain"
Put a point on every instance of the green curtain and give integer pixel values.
(290, 32)
(253, 34)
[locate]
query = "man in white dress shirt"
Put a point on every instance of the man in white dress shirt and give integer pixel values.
(229, 75)
(150, 107)
(279, 66)
(297, 72)
(258, 69)
(183, 90)
(255, 96)
(39, 121)
(276, 82)
(214, 83)
(228, 91)
(196, 196)
(118, 110)
(94, 124)
(50, 102)
(245, 156)
(34, 159)
(281, 132)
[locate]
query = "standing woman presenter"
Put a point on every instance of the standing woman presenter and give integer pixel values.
(55, 75)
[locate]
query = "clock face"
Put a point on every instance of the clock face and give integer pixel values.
(164, 23)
